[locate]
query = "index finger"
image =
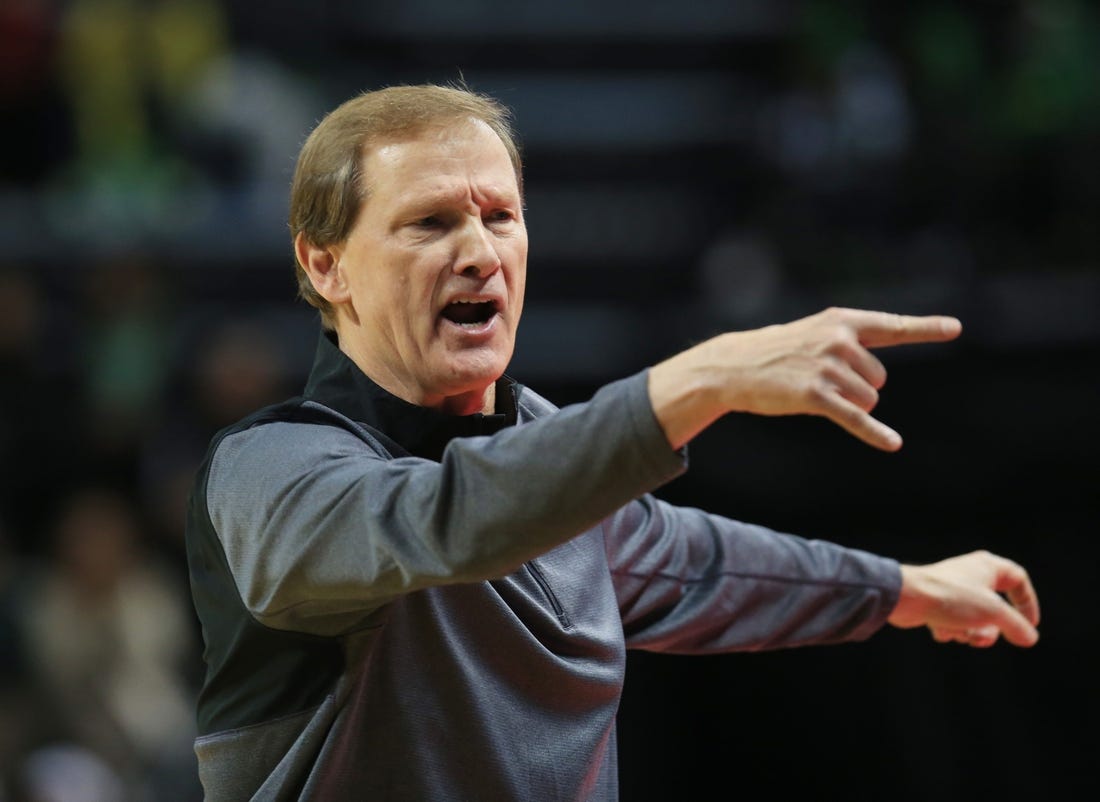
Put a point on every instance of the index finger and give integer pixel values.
(855, 421)
(878, 329)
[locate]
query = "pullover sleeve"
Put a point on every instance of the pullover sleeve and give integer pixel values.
(693, 582)
(319, 530)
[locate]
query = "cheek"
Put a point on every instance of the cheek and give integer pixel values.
(392, 290)
(519, 287)
(519, 272)
(519, 291)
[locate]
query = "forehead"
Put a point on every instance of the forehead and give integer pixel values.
(440, 160)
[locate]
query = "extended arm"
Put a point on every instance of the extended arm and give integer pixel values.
(319, 530)
(822, 365)
(818, 365)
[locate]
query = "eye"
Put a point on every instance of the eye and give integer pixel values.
(500, 216)
(431, 221)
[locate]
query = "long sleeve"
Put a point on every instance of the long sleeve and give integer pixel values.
(690, 581)
(319, 529)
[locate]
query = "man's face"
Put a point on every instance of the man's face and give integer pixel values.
(436, 265)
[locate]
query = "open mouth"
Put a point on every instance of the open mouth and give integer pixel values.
(469, 314)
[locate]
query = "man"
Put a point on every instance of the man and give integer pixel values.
(418, 580)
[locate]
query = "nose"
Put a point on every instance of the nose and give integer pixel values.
(477, 255)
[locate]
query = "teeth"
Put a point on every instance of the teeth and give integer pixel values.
(473, 319)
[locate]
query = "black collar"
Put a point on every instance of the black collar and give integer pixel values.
(339, 384)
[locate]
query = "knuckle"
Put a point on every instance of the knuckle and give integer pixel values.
(870, 399)
(832, 315)
(816, 394)
(843, 345)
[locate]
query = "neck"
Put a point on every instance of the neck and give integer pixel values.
(468, 402)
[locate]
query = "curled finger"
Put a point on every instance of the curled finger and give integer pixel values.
(852, 385)
(863, 362)
(859, 423)
(1013, 581)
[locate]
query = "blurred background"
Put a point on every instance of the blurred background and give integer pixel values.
(691, 168)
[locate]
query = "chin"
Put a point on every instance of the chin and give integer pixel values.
(467, 375)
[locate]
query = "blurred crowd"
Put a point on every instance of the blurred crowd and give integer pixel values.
(103, 420)
(111, 383)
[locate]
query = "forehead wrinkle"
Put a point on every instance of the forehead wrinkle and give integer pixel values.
(447, 194)
(443, 177)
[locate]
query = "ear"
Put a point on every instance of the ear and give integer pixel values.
(323, 267)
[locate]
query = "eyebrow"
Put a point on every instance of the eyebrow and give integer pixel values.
(458, 196)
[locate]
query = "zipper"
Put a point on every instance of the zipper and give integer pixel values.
(540, 580)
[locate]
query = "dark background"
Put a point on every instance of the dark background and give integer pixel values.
(691, 168)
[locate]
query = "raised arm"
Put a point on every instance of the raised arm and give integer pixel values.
(817, 365)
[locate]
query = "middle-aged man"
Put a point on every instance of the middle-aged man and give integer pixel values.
(418, 580)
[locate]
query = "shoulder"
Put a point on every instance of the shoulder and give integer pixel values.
(296, 432)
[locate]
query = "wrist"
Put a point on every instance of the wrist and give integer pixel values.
(911, 607)
(685, 397)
